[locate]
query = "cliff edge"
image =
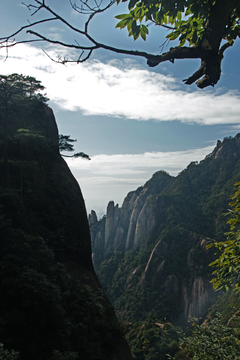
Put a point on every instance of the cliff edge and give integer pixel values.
(52, 304)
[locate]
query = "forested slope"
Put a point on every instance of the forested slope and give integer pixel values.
(150, 254)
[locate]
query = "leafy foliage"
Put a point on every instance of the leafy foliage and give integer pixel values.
(15, 87)
(211, 341)
(8, 354)
(65, 145)
(152, 340)
(227, 304)
(187, 20)
(228, 261)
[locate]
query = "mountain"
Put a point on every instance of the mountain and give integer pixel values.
(52, 304)
(150, 255)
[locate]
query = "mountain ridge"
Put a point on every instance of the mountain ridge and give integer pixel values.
(156, 240)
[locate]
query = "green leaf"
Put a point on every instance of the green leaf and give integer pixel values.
(131, 4)
(179, 15)
(194, 37)
(135, 27)
(121, 24)
(135, 30)
(165, 19)
(138, 13)
(188, 12)
(173, 35)
(143, 34)
(145, 29)
(129, 25)
(123, 16)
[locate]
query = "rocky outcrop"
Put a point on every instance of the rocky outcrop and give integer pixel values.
(152, 273)
(112, 220)
(51, 299)
(194, 295)
(127, 227)
(201, 297)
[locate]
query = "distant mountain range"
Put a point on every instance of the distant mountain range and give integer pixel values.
(150, 255)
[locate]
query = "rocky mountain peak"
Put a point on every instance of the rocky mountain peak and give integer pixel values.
(157, 240)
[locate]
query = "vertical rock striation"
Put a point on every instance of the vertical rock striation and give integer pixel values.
(154, 246)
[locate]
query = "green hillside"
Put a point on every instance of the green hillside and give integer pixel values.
(150, 255)
(140, 282)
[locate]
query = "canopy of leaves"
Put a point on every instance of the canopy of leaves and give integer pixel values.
(211, 341)
(15, 87)
(152, 340)
(203, 24)
(228, 261)
(187, 20)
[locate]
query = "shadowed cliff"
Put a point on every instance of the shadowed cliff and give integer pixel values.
(52, 305)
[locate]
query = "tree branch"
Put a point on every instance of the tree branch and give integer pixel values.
(207, 50)
(7, 38)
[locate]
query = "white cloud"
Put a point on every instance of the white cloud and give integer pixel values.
(118, 90)
(111, 177)
(129, 164)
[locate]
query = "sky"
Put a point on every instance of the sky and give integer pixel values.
(130, 119)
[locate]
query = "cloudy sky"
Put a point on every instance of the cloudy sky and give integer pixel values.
(132, 120)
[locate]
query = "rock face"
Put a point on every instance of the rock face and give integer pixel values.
(52, 304)
(154, 246)
(130, 226)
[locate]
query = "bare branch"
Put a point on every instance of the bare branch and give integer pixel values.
(97, 12)
(58, 17)
(43, 38)
(65, 61)
(86, 8)
(5, 39)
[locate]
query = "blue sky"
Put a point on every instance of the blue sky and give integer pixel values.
(131, 119)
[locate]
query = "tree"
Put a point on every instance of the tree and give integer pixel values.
(17, 92)
(228, 261)
(8, 355)
(18, 86)
(205, 24)
(65, 145)
(212, 341)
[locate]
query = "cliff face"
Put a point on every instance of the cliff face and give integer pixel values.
(130, 226)
(52, 304)
(154, 246)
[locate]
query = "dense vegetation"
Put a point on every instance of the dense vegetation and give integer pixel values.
(52, 306)
(228, 260)
(194, 203)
